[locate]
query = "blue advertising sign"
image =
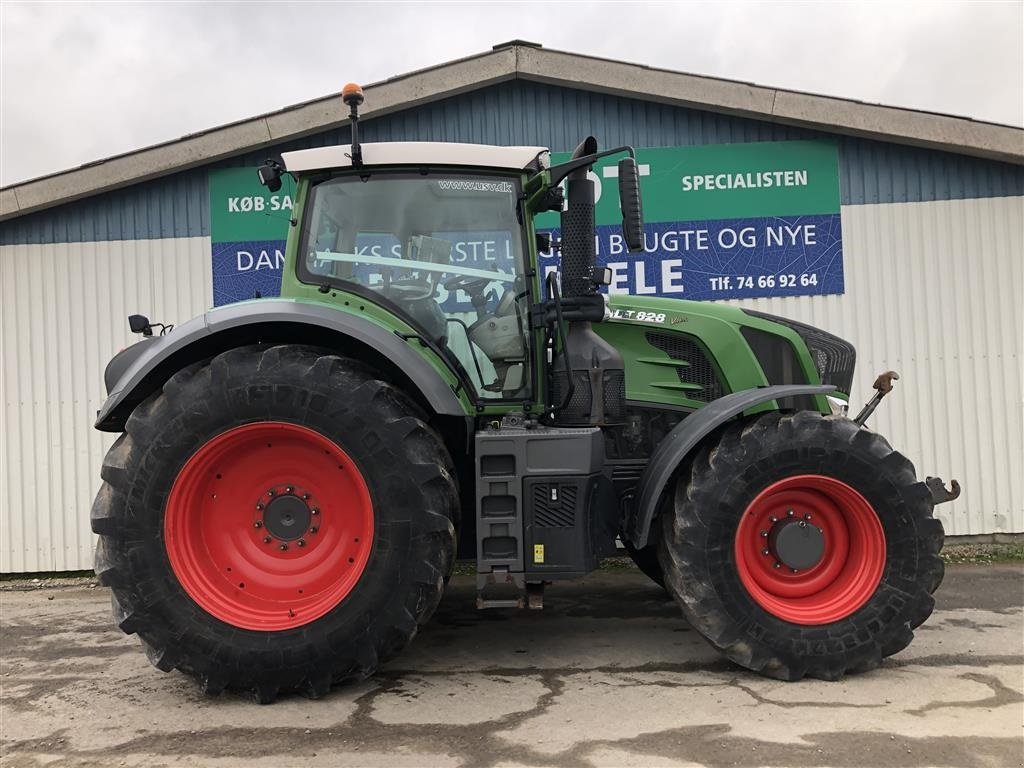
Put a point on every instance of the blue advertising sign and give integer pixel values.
(725, 259)
(246, 270)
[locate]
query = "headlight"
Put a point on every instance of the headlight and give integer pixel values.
(833, 357)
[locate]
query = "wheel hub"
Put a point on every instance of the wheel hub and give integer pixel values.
(796, 544)
(287, 517)
(269, 526)
(810, 549)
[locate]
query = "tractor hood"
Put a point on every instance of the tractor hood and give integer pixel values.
(743, 348)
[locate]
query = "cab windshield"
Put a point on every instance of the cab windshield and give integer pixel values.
(443, 251)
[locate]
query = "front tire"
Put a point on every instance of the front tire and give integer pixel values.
(802, 545)
(276, 519)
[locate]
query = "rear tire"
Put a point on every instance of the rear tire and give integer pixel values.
(872, 584)
(646, 559)
(185, 510)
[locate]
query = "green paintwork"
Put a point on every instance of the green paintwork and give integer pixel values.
(649, 373)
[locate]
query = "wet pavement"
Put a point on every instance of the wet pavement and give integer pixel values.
(608, 674)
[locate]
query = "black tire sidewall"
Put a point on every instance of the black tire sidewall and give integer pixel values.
(722, 487)
(350, 409)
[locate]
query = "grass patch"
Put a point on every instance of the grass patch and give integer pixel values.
(982, 554)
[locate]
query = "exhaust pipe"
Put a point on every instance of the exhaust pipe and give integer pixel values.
(589, 375)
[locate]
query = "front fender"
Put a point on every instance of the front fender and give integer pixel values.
(684, 438)
(141, 369)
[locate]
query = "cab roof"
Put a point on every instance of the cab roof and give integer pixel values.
(419, 153)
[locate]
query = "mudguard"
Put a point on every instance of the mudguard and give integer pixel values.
(139, 370)
(685, 437)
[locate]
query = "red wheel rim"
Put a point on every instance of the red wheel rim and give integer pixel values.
(852, 560)
(277, 481)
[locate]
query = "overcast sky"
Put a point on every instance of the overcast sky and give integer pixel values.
(84, 81)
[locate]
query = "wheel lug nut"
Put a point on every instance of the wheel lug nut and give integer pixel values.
(259, 506)
(305, 496)
(807, 516)
(774, 519)
(795, 570)
(314, 511)
(789, 512)
(314, 529)
(777, 565)
(267, 539)
(765, 552)
(257, 524)
(270, 492)
(288, 489)
(300, 543)
(764, 534)
(283, 547)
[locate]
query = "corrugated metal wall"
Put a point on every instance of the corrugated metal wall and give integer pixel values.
(935, 291)
(62, 315)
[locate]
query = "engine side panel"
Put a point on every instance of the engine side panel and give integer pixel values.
(685, 354)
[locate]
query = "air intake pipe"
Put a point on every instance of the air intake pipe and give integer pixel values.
(588, 376)
(579, 252)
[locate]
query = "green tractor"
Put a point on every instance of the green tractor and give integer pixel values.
(296, 477)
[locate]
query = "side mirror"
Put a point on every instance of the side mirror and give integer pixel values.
(629, 201)
(140, 324)
(602, 276)
(270, 175)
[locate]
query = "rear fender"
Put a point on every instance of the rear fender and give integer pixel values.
(685, 437)
(140, 370)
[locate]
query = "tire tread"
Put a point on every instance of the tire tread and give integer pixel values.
(187, 400)
(687, 548)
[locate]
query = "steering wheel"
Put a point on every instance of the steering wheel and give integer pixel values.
(471, 285)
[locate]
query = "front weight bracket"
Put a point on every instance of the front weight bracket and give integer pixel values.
(937, 487)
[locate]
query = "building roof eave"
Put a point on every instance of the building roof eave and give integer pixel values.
(520, 60)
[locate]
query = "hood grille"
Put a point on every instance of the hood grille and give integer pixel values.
(696, 369)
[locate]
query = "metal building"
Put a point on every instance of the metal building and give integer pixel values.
(932, 212)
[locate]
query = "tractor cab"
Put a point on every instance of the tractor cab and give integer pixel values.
(442, 247)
